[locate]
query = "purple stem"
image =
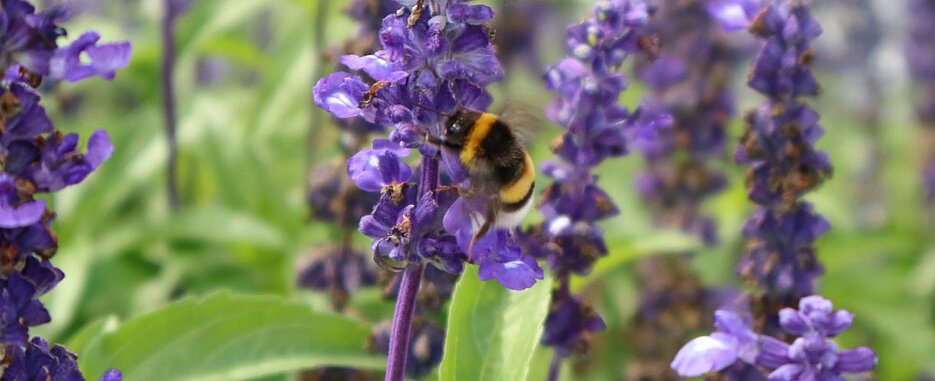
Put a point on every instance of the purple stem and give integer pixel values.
(555, 368)
(402, 322)
(409, 287)
(168, 98)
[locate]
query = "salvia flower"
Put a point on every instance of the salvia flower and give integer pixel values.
(432, 62)
(436, 58)
(811, 356)
(778, 145)
(39, 159)
(587, 83)
(689, 80)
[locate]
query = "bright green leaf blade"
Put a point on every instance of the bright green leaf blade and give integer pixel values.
(228, 337)
(492, 331)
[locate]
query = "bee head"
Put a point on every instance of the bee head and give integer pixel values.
(459, 125)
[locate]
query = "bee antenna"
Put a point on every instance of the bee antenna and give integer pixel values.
(435, 110)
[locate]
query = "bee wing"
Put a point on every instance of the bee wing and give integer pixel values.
(524, 120)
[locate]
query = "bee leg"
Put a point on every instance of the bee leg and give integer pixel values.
(448, 188)
(484, 229)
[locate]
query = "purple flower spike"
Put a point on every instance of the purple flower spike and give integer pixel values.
(435, 58)
(587, 83)
(374, 169)
(39, 159)
(105, 59)
(778, 145)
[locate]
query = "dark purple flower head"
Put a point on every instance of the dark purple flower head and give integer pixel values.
(521, 29)
(332, 197)
(20, 307)
(810, 356)
(340, 272)
(38, 362)
(778, 145)
(569, 324)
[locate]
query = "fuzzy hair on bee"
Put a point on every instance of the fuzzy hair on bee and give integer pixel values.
(498, 165)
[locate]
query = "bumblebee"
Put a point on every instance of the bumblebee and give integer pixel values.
(497, 163)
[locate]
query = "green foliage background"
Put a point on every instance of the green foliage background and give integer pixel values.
(246, 146)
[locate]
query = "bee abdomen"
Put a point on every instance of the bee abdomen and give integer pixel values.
(518, 193)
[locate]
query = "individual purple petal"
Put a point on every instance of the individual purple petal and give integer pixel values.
(789, 372)
(731, 324)
(705, 354)
(856, 360)
(22, 215)
(104, 60)
(376, 67)
(841, 321)
(339, 94)
(99, 148)
(793, 323)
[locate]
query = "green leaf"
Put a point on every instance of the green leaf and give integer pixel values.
(90, 332)
(228, 337)
(492, 331)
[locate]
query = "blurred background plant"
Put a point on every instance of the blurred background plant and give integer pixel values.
(142, 291)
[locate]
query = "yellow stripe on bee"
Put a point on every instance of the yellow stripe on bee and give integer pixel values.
(515, 191)
(475, 137)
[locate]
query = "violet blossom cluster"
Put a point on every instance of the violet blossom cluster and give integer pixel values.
(39, 159)
(810, 357)
(920, 53)
(588, 82)
(690, 79)
(436, 57)
(778, 145)
(434, 60)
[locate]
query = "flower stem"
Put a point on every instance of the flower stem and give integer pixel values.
(168, 99)
(402, 322)
(555, 368)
